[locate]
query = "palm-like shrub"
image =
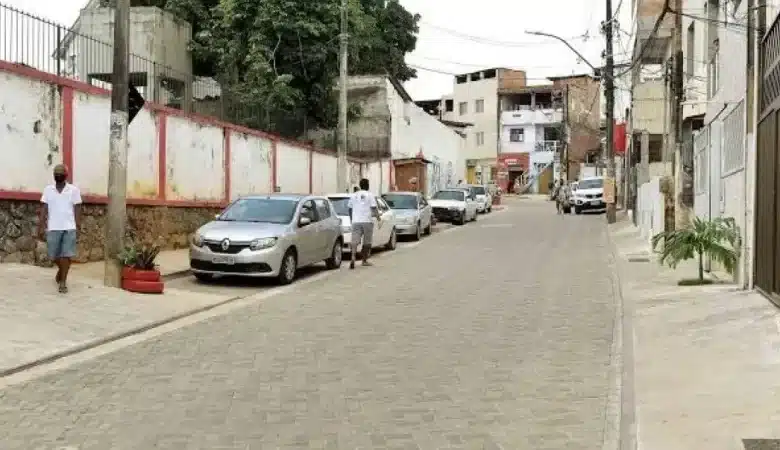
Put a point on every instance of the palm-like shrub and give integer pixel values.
(717, 238)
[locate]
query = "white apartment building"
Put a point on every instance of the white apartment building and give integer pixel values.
(531, 125)
(474, 100)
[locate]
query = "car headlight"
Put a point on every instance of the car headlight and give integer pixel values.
(346, 229)
(259, 244)
(408, 220)
(197, 240)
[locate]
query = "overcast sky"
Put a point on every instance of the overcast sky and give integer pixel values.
(465, 36)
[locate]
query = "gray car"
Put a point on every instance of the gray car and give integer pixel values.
(269, 236)
(413, 214)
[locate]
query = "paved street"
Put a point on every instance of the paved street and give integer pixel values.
(492, 335)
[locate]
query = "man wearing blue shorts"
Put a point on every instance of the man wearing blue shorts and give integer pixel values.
(61, 215)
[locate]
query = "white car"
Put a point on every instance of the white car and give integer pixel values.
(589, 195)
(483, 197)
(413, 216)
(454, 205)
(384, 229)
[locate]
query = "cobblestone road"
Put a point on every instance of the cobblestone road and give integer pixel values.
(495, 335)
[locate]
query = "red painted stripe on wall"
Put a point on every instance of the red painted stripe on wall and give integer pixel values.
(162, 155)
(67, 130)
(273, 165)
(226, 148)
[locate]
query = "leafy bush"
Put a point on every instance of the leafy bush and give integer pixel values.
(141, 257)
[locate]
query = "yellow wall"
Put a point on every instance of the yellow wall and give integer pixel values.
(471, 175)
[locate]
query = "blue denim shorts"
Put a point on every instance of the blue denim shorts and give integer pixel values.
(61, 244)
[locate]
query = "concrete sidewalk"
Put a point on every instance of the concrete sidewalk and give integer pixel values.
(173, 263)
(38, 324)
(703, 368)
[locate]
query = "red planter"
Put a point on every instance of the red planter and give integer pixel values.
(131, 273)
(143, 287)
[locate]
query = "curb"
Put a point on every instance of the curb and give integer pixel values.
(620, 427)
(175, 275)
(114, 337)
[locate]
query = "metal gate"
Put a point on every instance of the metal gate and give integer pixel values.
(767, 254)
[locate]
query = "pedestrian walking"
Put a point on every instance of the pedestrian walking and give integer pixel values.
(562, 198)
(362, 210)
(60, 214)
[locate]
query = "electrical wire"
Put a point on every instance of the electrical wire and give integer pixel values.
(491, 42)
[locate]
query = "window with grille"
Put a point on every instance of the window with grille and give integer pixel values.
(701, 161)
(734, 140)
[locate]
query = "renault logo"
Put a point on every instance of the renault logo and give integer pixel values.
(225, 244)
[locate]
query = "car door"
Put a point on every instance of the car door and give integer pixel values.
(327, 229)
(308, 246)
(382, 228)
(425, 212)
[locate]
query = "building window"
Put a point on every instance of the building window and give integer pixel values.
(516, 135)
(449, 105)
(460, 79)
(479, 106)
(463, 108)
(480, 138)
(713, 72)
(733, 140)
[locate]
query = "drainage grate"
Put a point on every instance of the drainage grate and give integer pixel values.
(761, 444)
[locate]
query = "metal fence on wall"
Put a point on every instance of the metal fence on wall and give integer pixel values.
(41, 44)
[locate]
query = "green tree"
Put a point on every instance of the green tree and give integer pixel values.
(717, 238)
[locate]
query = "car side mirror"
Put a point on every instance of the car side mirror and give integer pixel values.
(303, 221)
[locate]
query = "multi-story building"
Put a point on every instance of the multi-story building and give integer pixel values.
(474, 101)
(531, 140)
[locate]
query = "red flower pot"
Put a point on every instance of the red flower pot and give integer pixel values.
(143, 287)
(131, 273)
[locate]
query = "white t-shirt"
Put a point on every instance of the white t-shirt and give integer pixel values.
(61, 206)
(361, 203)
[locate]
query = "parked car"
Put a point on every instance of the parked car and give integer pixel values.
(454, 205)
(413, 214)
(385, 235)
(269, 236)
(483, 197)
(589, 195)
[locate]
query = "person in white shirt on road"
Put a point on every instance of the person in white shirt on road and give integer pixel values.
(362, 209)
(61, 215)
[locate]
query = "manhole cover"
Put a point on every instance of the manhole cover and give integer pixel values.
(761, 444)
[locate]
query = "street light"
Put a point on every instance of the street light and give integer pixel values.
(566, 43)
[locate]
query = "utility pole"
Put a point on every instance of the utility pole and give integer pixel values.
(116, 215)
(343, 182)
(675, 138)
(609, 94)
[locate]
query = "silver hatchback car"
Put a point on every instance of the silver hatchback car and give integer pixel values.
(269, 236)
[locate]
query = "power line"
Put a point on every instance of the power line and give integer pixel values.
(457, 63)
(444, 72)
(493, 42)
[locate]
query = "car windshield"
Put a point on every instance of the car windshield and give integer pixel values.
(450, 195)
(266, 210)
(340, 205)
(591, 184)
(401, 201)
(479, 190)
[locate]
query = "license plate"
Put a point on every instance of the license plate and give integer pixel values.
(595, 202)
(224, 260)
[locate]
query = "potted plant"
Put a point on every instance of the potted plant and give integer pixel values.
(717, 238)
(140, 272)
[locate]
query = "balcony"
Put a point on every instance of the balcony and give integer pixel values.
(547, 146)
(531, 116)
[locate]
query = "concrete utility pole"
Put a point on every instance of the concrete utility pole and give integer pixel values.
(675, 137)
(343, 181)
(117, 150)
(609, 94)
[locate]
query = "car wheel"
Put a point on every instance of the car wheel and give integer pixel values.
(391, 244)
(204, 277)
(577, 210)
(288, 268)
(460, 220)
(334, 262)
(418, 232)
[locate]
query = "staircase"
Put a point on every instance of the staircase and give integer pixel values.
(534, 176)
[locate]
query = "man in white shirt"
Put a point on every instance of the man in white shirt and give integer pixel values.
(61, 215)
(362, 208)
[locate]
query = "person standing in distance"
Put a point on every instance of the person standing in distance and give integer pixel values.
(60, 214)
(362, 209)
